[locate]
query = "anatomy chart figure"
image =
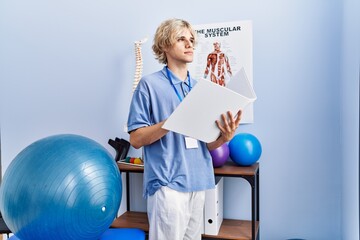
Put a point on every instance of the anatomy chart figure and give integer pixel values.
(218, 66)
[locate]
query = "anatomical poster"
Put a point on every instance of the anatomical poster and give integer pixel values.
(224, 55)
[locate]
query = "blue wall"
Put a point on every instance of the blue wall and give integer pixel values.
(350, 119)
(68, 66)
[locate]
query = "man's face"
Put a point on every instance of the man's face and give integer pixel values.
(183, 49)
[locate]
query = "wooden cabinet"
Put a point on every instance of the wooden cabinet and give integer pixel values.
(230, 228)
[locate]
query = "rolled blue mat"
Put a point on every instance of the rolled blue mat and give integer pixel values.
(123, 234)
(115, 234)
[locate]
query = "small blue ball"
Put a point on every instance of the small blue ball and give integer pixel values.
(245, 149)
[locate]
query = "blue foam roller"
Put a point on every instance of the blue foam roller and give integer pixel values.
(123, 234)
(116, 234)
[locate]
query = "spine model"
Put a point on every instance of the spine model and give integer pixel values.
(139, 62)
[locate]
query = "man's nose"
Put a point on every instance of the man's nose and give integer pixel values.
(189, 44)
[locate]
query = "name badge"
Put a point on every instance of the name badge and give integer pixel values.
(191, 143)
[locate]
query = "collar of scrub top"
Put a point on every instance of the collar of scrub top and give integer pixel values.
(173, 80)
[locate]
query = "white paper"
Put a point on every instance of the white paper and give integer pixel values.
(236, 42)
(196, 115)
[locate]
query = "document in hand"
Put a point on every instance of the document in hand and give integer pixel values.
(195, 116)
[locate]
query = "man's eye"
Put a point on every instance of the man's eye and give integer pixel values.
(182, 39)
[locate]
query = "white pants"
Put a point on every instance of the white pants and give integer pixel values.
(175, 215)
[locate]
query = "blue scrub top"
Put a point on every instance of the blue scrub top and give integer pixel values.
(167, 162)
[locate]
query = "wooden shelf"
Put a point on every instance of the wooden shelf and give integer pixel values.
(132, 219)
(230, 169)
(230, 229)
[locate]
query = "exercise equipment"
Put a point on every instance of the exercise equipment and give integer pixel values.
(61, 187)
(220, 155)
(123, 234)
(245, 149)
(115, 234)
(121, 147)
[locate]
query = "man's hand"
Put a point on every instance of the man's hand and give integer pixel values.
(228, 125)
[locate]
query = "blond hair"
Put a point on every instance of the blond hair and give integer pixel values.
(166, 35)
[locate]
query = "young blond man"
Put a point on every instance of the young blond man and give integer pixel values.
(177, 169)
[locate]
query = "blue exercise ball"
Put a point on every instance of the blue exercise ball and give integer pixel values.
(61, 187)
(245, 149)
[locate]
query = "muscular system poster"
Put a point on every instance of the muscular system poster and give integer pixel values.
(224, 55)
